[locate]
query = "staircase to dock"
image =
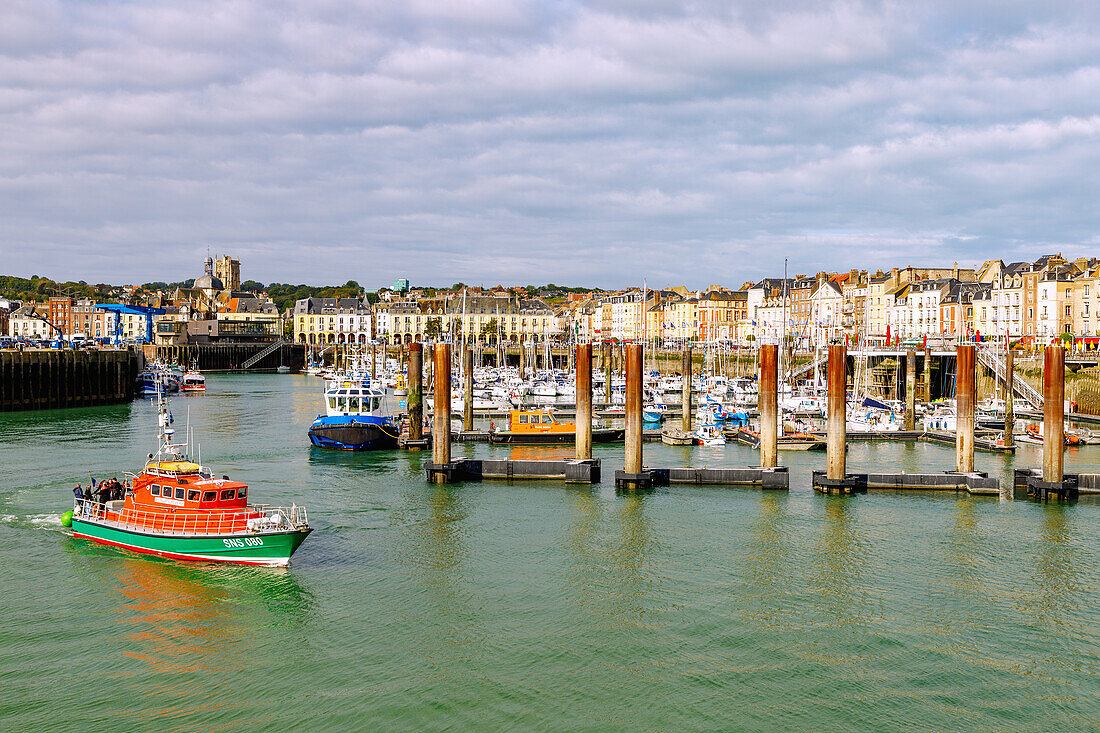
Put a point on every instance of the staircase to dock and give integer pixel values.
(255, 358)
(992, 359)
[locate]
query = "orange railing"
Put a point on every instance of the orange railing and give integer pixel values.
(255, 518)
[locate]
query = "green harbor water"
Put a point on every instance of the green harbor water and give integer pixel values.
(536, 605)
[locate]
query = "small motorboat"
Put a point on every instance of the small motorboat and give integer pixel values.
(710, 436)
(192, 383)
(1032, 434)
(676, 436)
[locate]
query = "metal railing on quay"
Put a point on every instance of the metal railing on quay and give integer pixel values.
(251, 520)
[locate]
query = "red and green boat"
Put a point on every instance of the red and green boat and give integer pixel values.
(176, 508)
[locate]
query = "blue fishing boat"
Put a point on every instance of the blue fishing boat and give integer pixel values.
(354, 419)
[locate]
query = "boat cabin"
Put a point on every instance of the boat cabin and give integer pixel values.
(538, 421)
(351, 398)
(186, 486)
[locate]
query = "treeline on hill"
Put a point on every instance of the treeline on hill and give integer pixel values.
(41, 288)
(550, 290)
(284, 294)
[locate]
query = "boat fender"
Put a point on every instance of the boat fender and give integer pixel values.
(67, 519)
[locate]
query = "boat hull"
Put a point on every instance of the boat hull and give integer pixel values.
(270, 549)
(510, 438)
(353, 435)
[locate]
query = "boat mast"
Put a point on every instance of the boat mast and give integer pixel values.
(783, 338)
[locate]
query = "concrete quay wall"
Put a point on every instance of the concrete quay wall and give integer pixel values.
(43, 379)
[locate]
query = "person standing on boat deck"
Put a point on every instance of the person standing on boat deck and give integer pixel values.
(78, 492)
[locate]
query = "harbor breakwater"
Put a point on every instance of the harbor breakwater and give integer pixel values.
(40, 379)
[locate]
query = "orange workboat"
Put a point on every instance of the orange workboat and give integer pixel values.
(539, 425)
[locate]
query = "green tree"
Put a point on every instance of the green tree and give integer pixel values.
(433, 328)
(490, 328)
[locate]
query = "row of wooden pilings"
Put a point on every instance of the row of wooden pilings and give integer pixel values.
(835, 479)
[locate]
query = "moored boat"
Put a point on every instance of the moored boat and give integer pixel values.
(676, 436)
(175, 508)
(539, 426)
(354, 419)
(193, 382)
(709, 435)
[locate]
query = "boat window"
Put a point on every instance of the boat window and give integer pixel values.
(154, 490)
(332, 403)
(375, 404)
(342, 404)
(353, 404)
(209, 495)
(241, 493)
(228, 494)
(342, 392)
(547, 419)
(522, 419)
(193, 495)
(179, 492)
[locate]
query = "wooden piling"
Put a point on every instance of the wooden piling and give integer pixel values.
(468, 383)
(1054, 395)
(685, 390)
(910, 390)
(584, 401)
(838, 382)
(633, 359)
(964, 408)
(415, 399)
(768, 404)
(441, 433)
(1010, 413)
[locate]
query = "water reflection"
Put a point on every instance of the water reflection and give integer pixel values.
(840, 592)
(766, 563)
(541, 453)
(963, 551)
(584, 556)
(434, 534)
(608, 557)
(1055, 570)
(433, 545)
(629, 559)
(188, 624)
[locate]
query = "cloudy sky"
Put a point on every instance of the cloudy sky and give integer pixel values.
(594, 143)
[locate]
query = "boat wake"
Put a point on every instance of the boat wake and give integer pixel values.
(39, 521)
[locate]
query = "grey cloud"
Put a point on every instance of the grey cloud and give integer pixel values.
(597, 143)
